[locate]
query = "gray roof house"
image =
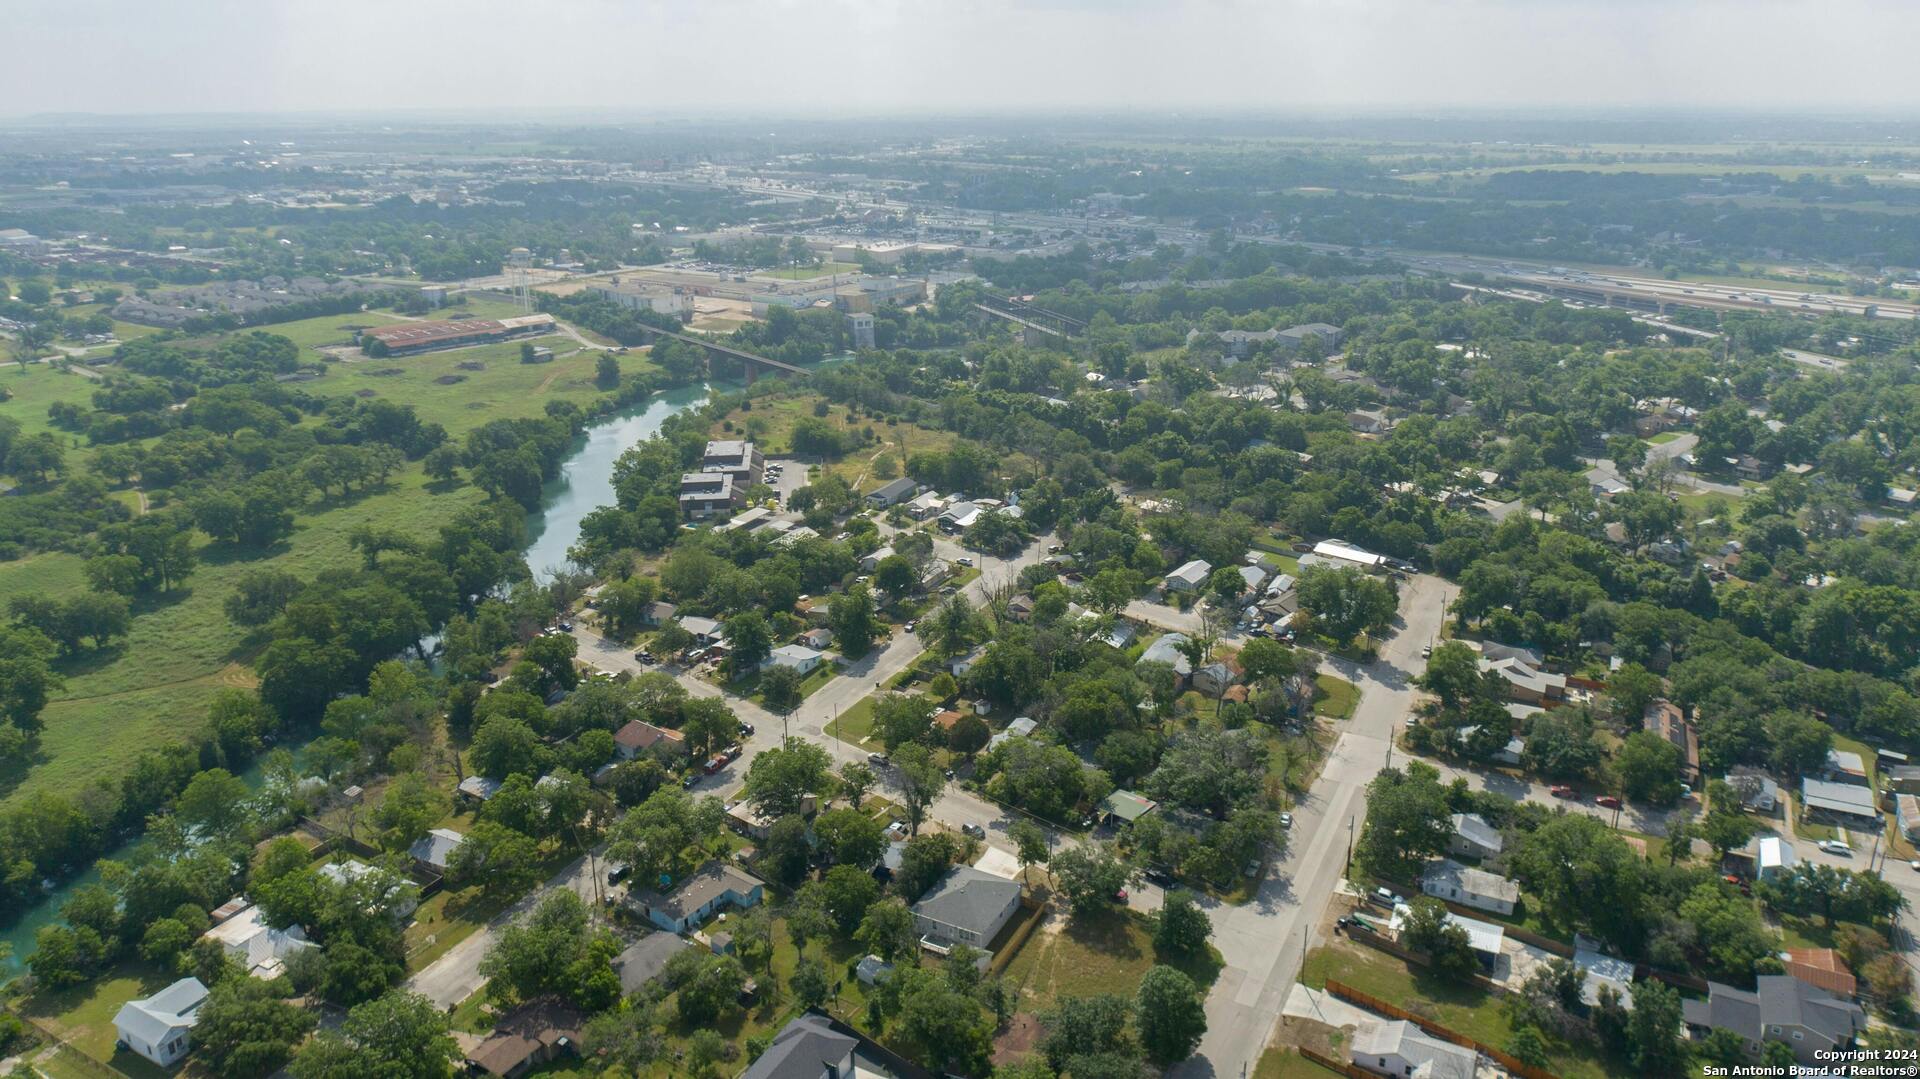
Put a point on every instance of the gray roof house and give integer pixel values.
(1190, 577)
(897, 491)
(814, 1045)
(158, 1027)
(645, 958)
(1448, 879)
(1167, 650)
(1474, 837)
(436, 847)
(1401, 1049)
(1843, 803)
(703, 892)
(967, 906)
(1781, 1009)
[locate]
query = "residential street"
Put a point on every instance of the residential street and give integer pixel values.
(1265, 940)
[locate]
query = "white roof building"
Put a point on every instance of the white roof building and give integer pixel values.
(158, 1027)
(1190, 577)
(258, 948)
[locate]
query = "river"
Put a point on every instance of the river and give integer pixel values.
(585, 484)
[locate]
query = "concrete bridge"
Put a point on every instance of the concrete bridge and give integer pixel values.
(750, 363)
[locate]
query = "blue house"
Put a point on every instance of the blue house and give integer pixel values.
(712, 888)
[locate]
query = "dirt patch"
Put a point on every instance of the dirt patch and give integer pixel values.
(1012, 1045)
(387, 372)
(448, 380)
(365, 393)
(471, 365)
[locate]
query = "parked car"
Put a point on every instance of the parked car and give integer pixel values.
(619, 873)
(878, 760)
(911, 625)
(963, 560)
(1161, 877)
(1607, 800)
(643, 656)
(1426, 651)
(1286, 820)
(1836, 847)
(1120, 896)
(746, 729)
(1383, 896)
(973, 830)
(1564, 791)
(1054, 548)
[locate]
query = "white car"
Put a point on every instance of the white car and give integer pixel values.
(1836, 847)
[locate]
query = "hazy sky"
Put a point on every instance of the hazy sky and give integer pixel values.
(865, 57)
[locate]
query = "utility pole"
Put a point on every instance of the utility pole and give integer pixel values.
(1350, 818)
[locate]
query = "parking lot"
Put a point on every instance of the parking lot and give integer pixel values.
(790, 476)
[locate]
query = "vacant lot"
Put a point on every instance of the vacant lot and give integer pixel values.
(1088, 955)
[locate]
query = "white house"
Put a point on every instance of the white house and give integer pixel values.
(158, 1027)
(1190, 577)
(1474, 837)
(1400, 1049)
(795, 657)
(1775, 857)
(258, 948)
(1476, 888)
(964, 662)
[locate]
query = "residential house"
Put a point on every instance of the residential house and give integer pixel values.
(256, 947)
(1291, 338)
(1839, 803)
(818, 638)
(1213, 679)
(960, 515)
(1125, 807)
(1603, 971)
(1020, 607)
(705, 891)
(1906, 811)
(1758, 791)
(1486, 939)
(1476, 888)
(159, 1027)
(1191, 577)
(1368, 422)
(959, 665)
(532, 1034)
(1748, 467)
(658, 613)
(1846, 766)
(892, 493)
(872, 559)
(966, 906)
(1901, 778)
(1473, 837)
(1773, 857)
(1781, 1009)
(434, 848)
(794, 657)
(1167, 650)
(394, 885)
(1401, 1049)
(947, 719)
(1254, 576)
(644, 959)
(639, 736)
(925, 505)
(814, 1045)
(1525, 682)
(1664, 718)
(1821, 968)
(478, 788)
(704, 630)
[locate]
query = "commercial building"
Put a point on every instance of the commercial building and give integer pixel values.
(409, 338)
(731, 457)
(860, 328)
(661, 299)
(703, 494)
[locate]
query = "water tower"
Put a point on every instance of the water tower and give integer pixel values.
(520, 277)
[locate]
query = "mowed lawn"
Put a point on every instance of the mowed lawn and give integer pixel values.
(36, 386)
(153, 686)
(1089, 955)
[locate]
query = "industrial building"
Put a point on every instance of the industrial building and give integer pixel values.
(408, 338)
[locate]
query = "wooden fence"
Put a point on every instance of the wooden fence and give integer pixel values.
(1343, 1067)
(78, 1060)
(1375, 1004)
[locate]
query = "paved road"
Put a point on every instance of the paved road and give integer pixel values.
(455, 976)
(1265, 940)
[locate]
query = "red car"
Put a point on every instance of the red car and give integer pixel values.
(1564, 791)
(1608, 800)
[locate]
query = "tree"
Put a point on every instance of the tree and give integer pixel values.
(554, 948)
(779, 779)
(1799, 743)
(1083, 1029)
(400, 1034)
(1091, 877)
(1029, 843)
(850, 614)
(1344, 603)
(1171, 1015)
(856, 779)
(749, 641)
(850, 837)
(888, 930)
(780, 689)
(1654, 1030)
(495, 857)
(244, 1030)
(711, 986)
(1725, 827)
(1448, 949)
(1180, 927)
(1452, 674)
(895, 576)
(1581, 874)
(953, 627)
(785, 852)
(625, 1038)
(410, 807)
(1633, 688)
(849, 890)
(215, 801)
(1264, 658)
(1409, 820)
(505, 745)
(1649, 768)
(921, 781)
(925, 859)
(809, 983)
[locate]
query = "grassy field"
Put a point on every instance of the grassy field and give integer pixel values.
(1336, 698)
(37, 386)
(854, 724)
(83, 1015)
(1083, 956)
(770, 423)
(1278, 1063)
(153, 686)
